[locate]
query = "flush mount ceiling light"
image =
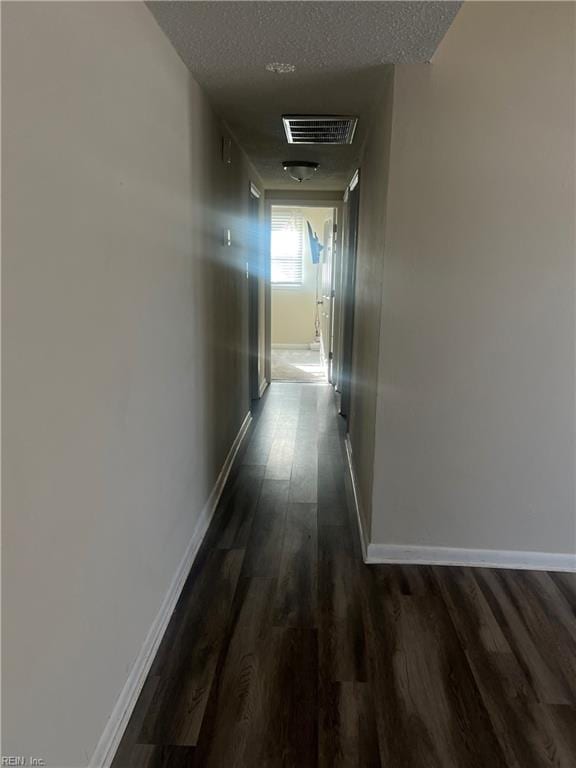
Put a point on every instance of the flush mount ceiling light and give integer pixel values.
(300, 170)
(280, 68)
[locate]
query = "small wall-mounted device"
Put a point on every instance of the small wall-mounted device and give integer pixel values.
(227, 238)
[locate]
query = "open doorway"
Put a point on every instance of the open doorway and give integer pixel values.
(350, 245)
(302, 249)
(256, 285)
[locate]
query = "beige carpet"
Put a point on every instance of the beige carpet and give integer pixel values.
(297, 365)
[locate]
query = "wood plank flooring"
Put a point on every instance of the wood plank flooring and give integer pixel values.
(286, 650)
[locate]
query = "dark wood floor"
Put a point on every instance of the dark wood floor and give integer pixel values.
(286, 650)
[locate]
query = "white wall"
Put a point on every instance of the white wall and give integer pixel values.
(476, 411)
(293, 308)
(124, 386)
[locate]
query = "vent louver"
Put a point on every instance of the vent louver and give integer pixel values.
(319, 129)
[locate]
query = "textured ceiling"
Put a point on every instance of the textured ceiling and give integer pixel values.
(340, 49)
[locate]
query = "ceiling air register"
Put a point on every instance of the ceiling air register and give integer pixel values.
(319, 129)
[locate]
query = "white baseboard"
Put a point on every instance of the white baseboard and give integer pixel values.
(116, 725)
(357, 506)
(478, 558)
(263, 387)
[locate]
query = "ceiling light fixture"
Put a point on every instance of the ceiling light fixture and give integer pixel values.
(300, 170)
(280, 68)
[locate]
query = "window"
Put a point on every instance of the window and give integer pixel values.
(287, 246)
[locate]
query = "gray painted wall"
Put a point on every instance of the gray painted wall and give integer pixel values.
(125, 333)
(369, 274)
(476, 414)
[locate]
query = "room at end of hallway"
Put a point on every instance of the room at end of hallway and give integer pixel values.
(298, 365)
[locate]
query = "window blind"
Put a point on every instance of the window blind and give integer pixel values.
(287, 246)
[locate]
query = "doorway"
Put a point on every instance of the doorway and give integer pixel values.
(302, 247)
(255, 280)
(352, 199)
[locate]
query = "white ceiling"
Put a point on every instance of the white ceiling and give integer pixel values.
(340, 49)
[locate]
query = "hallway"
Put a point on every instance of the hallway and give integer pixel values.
(217, 215)
(286, 650)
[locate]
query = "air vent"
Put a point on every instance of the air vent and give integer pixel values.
(319, 129)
